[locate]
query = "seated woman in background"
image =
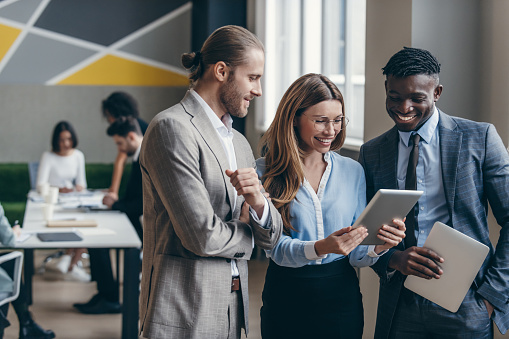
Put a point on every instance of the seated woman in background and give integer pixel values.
(311, 288)
(64, 167)
(118, 105)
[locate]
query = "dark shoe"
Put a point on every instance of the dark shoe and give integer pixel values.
(103, 306)
(31, 330)
(95, 299)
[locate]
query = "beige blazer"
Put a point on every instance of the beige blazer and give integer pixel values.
(190, 232)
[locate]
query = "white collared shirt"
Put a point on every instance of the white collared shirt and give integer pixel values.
(136, 154)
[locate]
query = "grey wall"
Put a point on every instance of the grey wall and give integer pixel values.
(29, 112)
(451, 30)
(388, 29)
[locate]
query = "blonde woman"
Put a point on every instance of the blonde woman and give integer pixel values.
(311, 288)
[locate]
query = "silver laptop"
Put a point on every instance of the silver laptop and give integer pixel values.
(463, 257)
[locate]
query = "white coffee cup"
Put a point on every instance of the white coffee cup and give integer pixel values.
(43, 189)
(52, 196)
(47, 211)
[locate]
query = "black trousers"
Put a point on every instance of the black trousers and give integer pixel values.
(314, 301)
(102, 273)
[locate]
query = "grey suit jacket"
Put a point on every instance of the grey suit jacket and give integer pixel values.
(191, 233)
(475, 171)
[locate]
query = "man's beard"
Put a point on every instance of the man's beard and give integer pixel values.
(232, 99)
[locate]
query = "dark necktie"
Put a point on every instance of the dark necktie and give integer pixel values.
(411, 184)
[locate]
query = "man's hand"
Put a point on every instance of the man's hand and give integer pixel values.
(109, 199)
(341, 242)
(245, 181)
(418, 261)
(489, 307)
(244, 213)
(391, 235)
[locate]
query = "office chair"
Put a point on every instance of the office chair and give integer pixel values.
(33, 168)
(16, 278)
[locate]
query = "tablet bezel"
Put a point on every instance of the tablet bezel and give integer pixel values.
(386, 205)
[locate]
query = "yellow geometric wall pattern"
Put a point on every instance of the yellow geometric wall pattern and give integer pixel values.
(141, 46)
(9, 35)
(115, 71)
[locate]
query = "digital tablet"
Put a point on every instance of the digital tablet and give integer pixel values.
(463, 257)
(59, 236)
(385, 206)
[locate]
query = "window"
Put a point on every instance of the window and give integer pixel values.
(305, 36)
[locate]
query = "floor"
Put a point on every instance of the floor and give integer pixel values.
(52, 307)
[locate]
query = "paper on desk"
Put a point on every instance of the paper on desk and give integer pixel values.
(24, 236)
(97, 231)
(68, 217)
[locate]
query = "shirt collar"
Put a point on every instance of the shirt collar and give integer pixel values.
(136, 154)
(326, 157)
(219, 124)
(426, 131)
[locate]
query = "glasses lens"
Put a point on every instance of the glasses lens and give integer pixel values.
(338, 124)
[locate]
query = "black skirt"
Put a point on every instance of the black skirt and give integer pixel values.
(314, 301)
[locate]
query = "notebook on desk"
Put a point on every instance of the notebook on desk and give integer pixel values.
(463, 257)
(72, 223)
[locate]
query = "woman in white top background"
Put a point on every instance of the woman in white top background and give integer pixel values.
(64, 166)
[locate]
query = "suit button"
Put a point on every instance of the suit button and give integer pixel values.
(228, 261)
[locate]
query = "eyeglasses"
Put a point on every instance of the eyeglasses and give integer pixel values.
(320, 124)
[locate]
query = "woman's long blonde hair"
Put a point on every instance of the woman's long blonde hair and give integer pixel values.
(283, 159)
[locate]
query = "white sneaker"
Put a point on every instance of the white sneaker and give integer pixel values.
(77, 274)
(60, 265)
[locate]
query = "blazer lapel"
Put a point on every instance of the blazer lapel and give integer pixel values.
(204, 127)
(389, 159)
(450, 145)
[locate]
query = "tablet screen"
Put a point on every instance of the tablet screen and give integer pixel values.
(386, 205)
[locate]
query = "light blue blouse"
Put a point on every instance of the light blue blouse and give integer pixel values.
(340, 199)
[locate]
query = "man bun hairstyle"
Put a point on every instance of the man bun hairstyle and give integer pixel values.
(228, 44)
(412, 61)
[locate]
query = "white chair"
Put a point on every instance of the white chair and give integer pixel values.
(16, 278)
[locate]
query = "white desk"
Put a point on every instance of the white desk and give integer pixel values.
(114, 230)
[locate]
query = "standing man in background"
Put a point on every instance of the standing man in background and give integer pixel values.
(197, 174)
(128, 137)
(461, 165)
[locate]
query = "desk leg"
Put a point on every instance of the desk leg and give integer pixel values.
(131, 293)
(28, 272)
